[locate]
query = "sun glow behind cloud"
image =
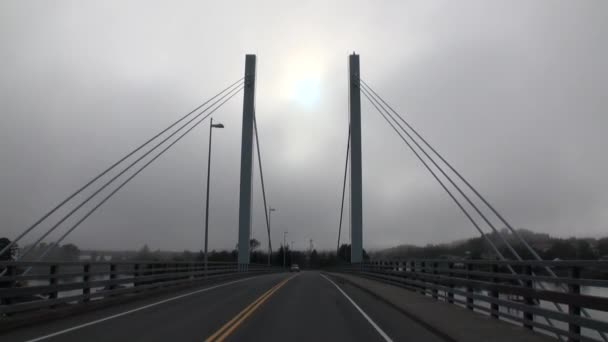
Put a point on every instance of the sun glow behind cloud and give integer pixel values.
(301, 80)
(300, 84)
(307, 92)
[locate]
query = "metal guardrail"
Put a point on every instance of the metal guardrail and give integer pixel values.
(54, 284)
(490, 287)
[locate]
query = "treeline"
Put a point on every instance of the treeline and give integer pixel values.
(548, 248)
(282, 256)
(67, 252)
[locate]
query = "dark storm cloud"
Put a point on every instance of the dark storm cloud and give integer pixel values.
(513, 94)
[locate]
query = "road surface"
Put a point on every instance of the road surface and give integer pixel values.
(304, 306)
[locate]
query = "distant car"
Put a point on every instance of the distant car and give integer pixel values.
(295, 268)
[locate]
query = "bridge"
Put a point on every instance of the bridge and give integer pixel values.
(506, 297)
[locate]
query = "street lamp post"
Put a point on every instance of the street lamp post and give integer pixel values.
(291, 253)
(284, 247)
(270, 210)
(211, 127)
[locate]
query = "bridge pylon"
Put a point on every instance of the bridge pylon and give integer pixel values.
(356, 220)
(246, 163)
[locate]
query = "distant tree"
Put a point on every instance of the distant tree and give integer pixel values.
(562, 249)
(144, 253)
(584, 251)
(344, 252)
(185, 256)
(69, 252)
(602, 247)
(253, 244)
(315, 261)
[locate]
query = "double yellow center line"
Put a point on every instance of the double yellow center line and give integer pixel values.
(235, 322)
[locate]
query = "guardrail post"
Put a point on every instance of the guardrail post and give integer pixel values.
(423, 270)
(135, 275)
(573, 310)
(435, 282)
(112, 275)
(86, 289)
(494, 294)
(528, 316)
(53, 281)
(412, 270)
(451, 285)
(470, 301)
(10, 272)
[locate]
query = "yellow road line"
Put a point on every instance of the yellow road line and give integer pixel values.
(234, 323)
(247, 308)
(244, 317)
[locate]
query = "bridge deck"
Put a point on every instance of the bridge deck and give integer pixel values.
(451, 321)
(277, 307)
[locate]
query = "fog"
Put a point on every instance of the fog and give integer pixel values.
(513, 94)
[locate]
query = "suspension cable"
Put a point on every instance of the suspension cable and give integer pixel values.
(64, 218)
(492, 245)
(464, 211)
(62, 203)
(257, 144)
(482, 234)
(459, 175)
(343, 190)
(483, 199)
(479, 212)
(56, 243)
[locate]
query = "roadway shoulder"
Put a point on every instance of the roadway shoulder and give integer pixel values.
(450, 321)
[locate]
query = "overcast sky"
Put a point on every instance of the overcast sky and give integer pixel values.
(514, 93)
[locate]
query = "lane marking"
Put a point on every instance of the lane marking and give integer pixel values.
(241, 313)
(237, 320)
(380, 331)
(243, 318)
(60, 332)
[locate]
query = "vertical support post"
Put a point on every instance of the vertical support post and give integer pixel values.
(412, 270)
(494, 294)
(573, 310)
(135, 275)
(112, 276)
(86, 290)
(206, 257)
(435, 282)
(246, 162)
(422, 278)
(11, 271)
(356, 221)
(528, 316)
(469, 288)
(53, 281)
(451, 286)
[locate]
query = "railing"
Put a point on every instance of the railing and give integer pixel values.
(51, 284)
(573, 305)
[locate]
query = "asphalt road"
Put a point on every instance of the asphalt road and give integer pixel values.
(303, 306)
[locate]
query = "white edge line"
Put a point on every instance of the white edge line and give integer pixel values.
(135, 310)
(378, 329)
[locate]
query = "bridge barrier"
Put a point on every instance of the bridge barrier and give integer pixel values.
(530, 296)
(53, 284)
